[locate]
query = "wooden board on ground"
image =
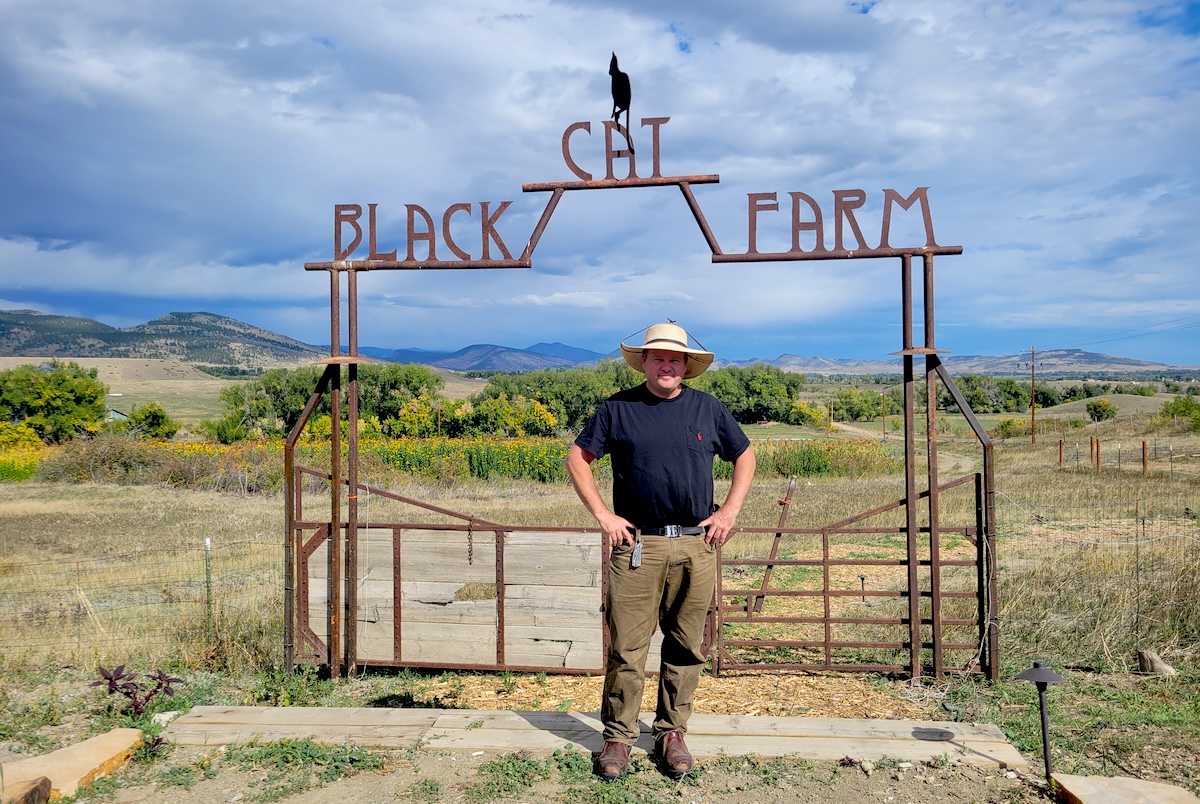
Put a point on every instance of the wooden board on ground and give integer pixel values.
(506, 731)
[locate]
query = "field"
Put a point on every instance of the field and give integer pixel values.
(1093, 567)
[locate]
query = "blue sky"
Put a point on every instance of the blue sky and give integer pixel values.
(187, 156)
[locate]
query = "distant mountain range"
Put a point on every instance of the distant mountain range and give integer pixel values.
(201, 338)
(208, 339)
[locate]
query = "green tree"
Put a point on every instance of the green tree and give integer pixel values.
(416, 418)
(384, 389)
(58, 401)
(851, 404)
(150, 421)
(570, 395)
(1099, 410)
(1181, 408)
(755, 393)
(988, 394)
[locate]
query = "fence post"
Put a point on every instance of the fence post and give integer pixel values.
(1097, 454)
(1145, 461)
(1061, 447)
(208, 596)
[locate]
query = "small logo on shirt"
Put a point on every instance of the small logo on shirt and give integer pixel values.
(699, 437)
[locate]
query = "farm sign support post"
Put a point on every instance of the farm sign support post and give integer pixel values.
(808, 227)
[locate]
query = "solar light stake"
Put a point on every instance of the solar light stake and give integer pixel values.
(1041, 675)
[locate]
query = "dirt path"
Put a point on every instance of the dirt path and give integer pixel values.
(949, 463)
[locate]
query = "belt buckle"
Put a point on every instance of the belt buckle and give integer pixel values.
(673, 531)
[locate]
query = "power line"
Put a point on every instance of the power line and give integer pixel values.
(1136, 332)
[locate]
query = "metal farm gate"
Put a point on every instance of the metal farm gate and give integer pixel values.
(484, 595)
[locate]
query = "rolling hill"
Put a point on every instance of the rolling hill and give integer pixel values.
(198, 338)
(207, 339)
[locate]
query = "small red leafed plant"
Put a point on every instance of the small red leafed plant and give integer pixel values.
(138, 694)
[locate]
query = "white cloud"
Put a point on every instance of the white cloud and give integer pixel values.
(189, 155)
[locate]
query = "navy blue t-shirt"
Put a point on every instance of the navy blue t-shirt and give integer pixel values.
(662, 452)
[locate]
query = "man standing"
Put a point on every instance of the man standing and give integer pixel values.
(664, 530)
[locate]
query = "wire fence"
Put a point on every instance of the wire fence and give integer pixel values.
(1092, 568)
(1089, 576)
(216, 603)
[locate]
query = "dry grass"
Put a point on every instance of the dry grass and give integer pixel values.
(94, 570)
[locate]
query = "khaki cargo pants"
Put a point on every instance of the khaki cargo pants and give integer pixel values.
(671, 589)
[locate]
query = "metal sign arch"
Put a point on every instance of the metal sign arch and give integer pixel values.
(924, 641)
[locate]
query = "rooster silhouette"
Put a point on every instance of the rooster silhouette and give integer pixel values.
(621, 93)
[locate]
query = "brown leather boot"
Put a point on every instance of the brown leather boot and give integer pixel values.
(613, 761)
(673, 753)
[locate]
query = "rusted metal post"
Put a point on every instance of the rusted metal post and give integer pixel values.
(293, 506)
(931, 451)
(335, 481)
(289, 560)
(500, 597)
(993, 621)
(397, 595)
(910, 473)
(1061, 450)
(351, 615)
(825, 582)
(785, 503)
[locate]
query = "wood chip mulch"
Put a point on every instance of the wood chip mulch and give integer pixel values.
(734, 693)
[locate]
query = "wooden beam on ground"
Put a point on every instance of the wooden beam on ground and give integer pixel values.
(708, 736)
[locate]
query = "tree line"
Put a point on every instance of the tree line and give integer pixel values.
(59, 401)
(405, 400)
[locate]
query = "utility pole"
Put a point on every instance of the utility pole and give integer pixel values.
(1032, 395)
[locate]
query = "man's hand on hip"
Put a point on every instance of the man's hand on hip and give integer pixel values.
(719, 527)
(617, 529)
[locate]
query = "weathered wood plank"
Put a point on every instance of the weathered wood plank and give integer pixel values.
(312, 715)
(503, 731)
(436, 644)
(555, 559)
(464, 612)
(396, 736)
(428, 554)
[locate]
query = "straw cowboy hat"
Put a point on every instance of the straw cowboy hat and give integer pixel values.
(673, 338)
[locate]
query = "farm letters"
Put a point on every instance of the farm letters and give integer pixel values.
(807, 219)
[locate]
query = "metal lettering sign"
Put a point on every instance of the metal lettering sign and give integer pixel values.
(834, 229)
(430, 246)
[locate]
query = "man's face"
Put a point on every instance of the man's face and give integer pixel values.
(664, 371)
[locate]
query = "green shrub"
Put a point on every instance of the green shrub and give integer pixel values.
(1010, 428)
(1182, 408)
(1100, 410)
(150, 421)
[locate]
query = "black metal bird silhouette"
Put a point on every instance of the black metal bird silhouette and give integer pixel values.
(622, 94)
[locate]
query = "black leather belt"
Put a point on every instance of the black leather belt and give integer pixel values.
(672, 531)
